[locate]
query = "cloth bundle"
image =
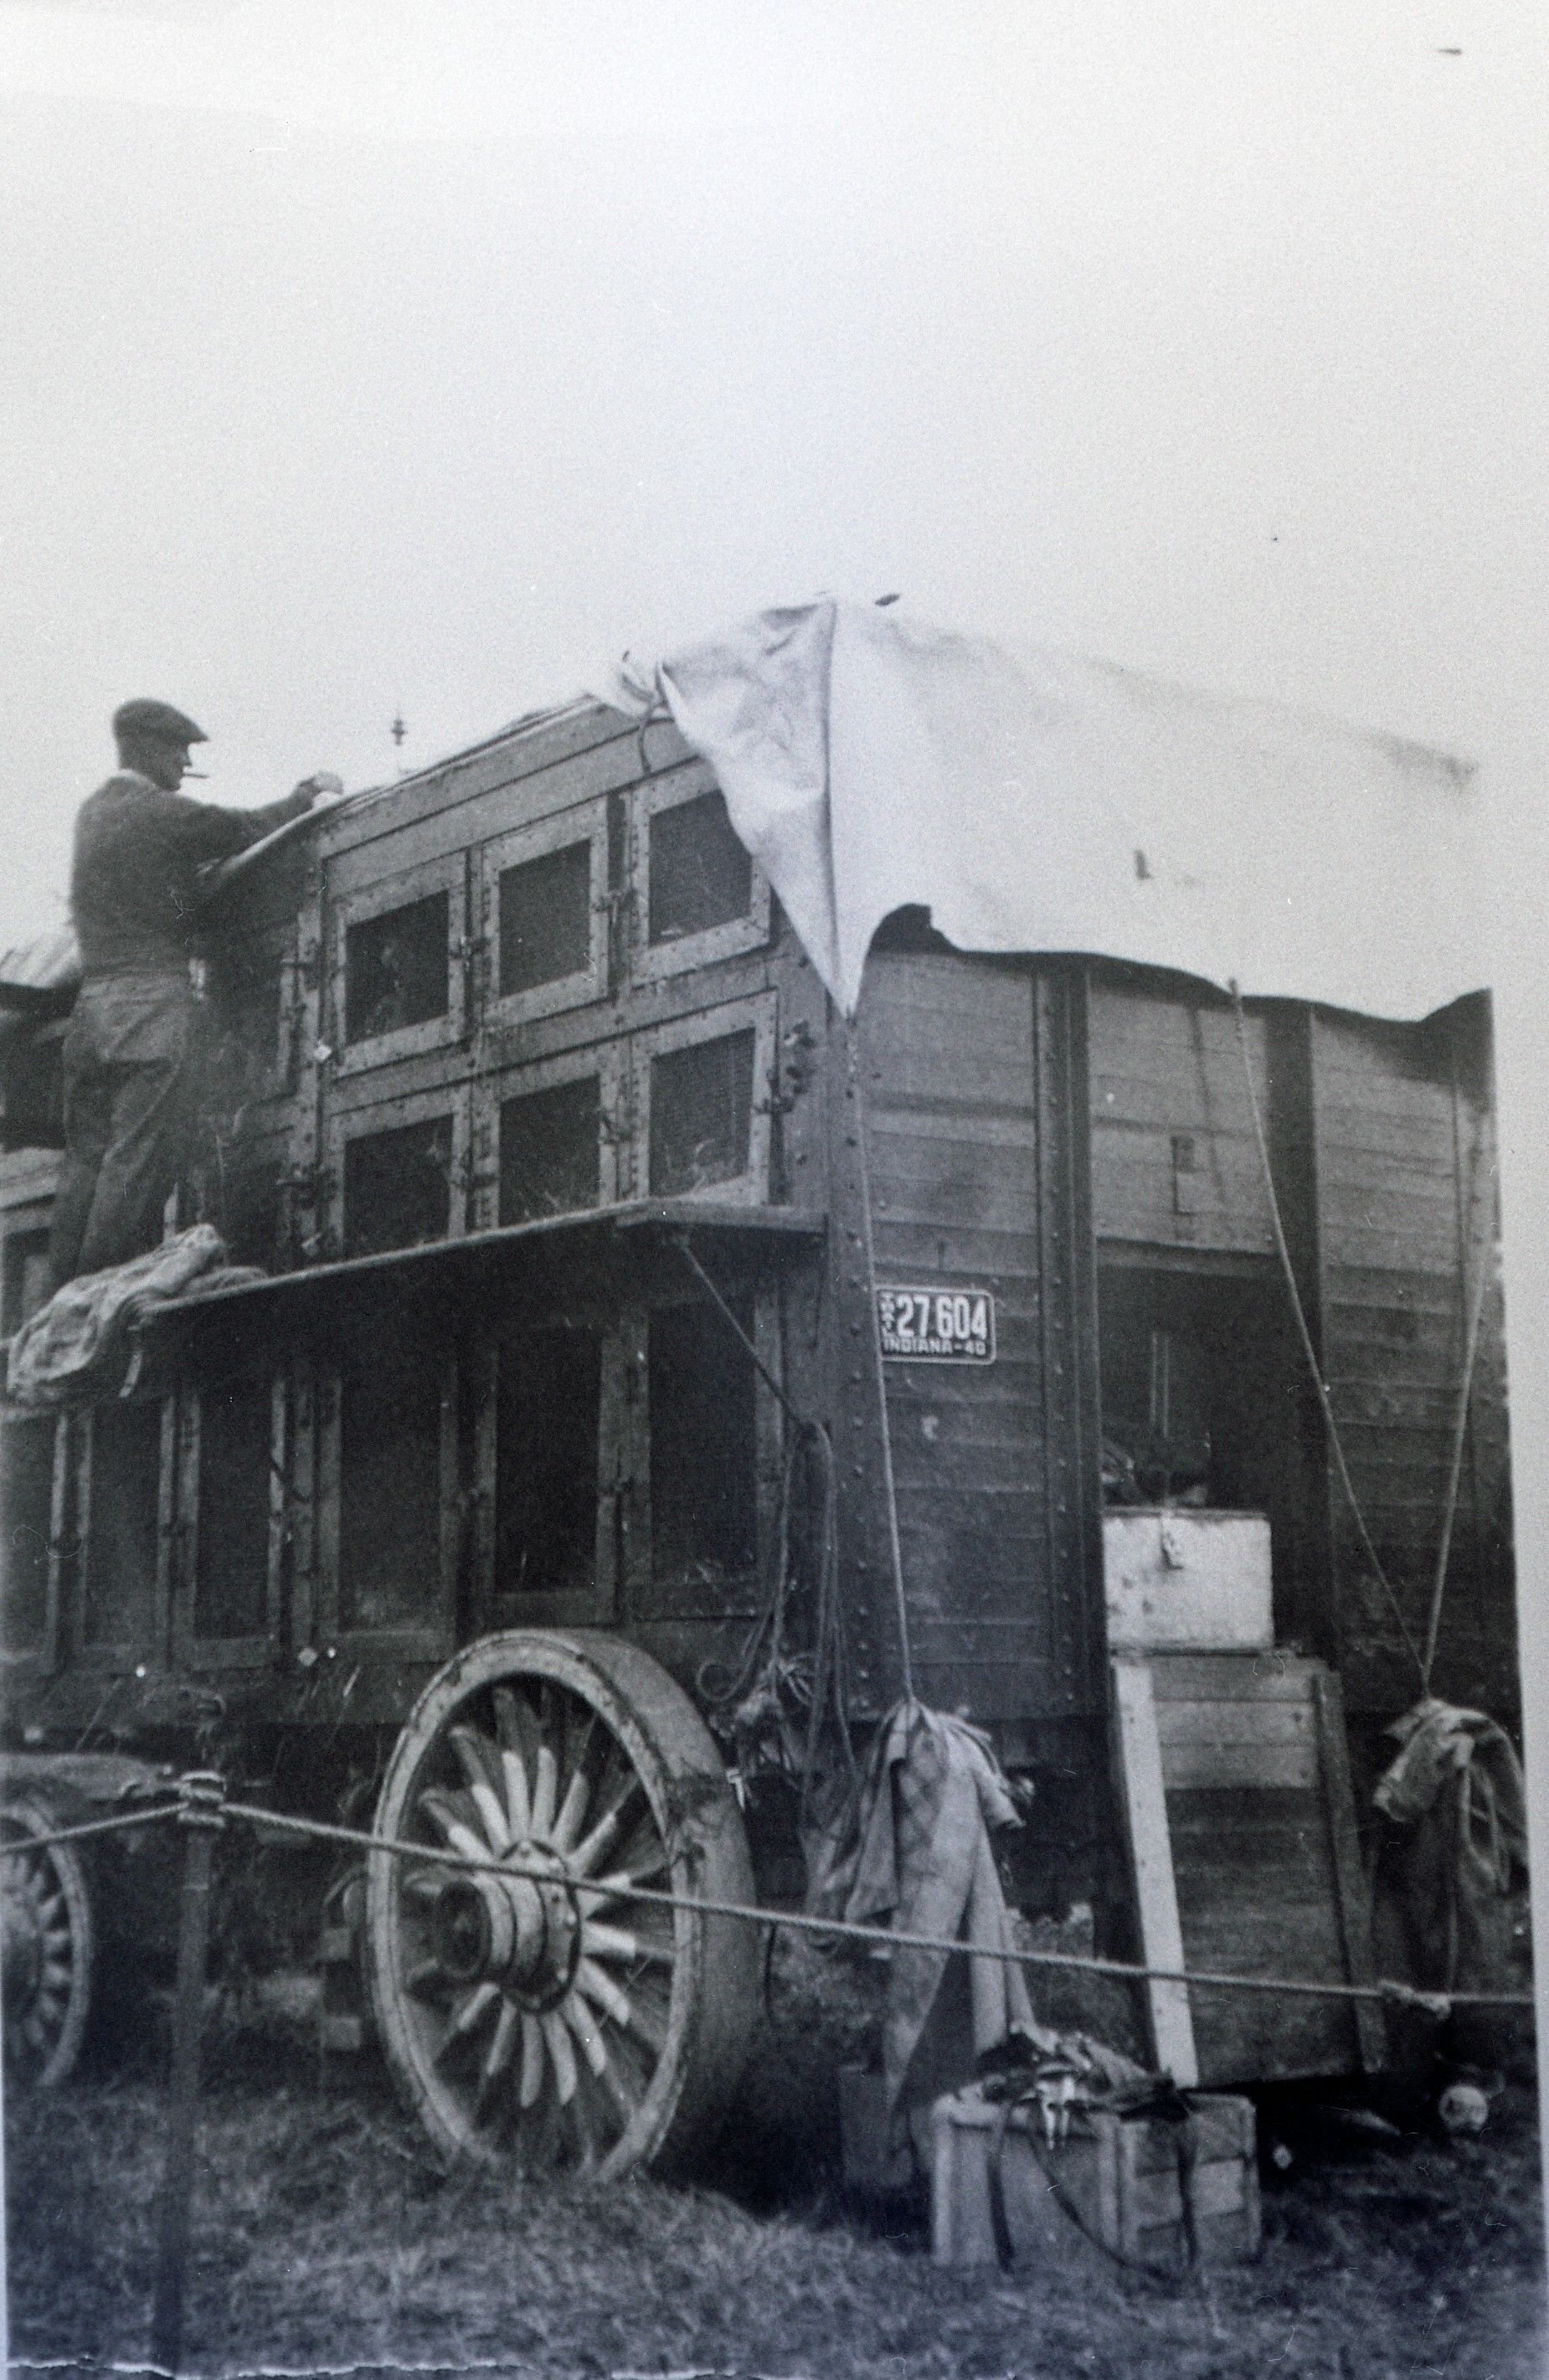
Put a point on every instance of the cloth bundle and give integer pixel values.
(77, 1345)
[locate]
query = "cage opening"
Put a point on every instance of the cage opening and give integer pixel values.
(701, 1114)
(550, 1150)
(230, 1572)
(398, 1187)
(120, 1604)
(250, 1214)
(546, 918)
(703, 1477)
(546, 1465)
(390, 1437)
(395, 969)
(700, 876)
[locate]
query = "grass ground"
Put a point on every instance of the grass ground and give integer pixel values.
(325, 2237)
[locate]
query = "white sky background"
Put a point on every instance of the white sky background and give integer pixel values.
(357, 355)
(360, 355)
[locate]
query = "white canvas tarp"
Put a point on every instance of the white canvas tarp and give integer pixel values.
(1036, 802)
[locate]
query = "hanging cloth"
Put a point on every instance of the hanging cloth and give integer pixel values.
(917, 1852)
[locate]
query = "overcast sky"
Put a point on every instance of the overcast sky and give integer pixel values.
(357, 355)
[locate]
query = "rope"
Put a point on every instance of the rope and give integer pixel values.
(17, 1846)
(1461, 1431)
(882, 1937)
(1324, 1401)
(894, 1548)
(794, 1920)
(829, 1661)
(681, 1242)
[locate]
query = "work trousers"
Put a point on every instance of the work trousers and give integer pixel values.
(129, 1063)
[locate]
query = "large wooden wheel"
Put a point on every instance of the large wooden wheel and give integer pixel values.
(46, 1936)
(545, 2015)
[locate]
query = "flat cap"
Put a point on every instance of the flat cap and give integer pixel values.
(143, 717)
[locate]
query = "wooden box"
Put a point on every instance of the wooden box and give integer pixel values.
(1236, 1795)
(1123, 2176)
(1186, 1580)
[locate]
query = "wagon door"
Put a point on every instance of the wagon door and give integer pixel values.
(972, 1072)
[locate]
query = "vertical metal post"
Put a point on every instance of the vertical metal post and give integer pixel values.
(201, 1815)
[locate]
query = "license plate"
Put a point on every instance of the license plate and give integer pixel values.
(937, 1325)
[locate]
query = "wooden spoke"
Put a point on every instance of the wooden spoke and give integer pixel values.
(587, 1852)
(580, 1735)
(556, 2037)
(529, 1735)
(600, 1989)
(531, 2081)
(544, 1790)
(620, 1885)
(578, 2016)
(456, 1832)
(579, 2115)
(508, 2025)
(488, 1796)
(572, 1811)
(475, 2009)
(518, 1797)
(613, 1942)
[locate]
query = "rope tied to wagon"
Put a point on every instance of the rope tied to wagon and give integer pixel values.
(751, 1699)
(190, 1798)
(877, 1937)
(1309, 1348)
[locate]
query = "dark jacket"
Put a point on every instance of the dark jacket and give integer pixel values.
(134, 883)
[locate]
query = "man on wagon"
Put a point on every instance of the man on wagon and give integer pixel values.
(129, 1053)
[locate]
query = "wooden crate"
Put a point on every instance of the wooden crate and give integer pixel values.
(1187, 1581)
(1235, 1785)
(1122, 2175)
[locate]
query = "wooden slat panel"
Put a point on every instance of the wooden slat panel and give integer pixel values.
(923, 1123)
(1000, 1259)
(1248, 1765)
(1216, 1721)
(504, 761)
(1161, 1069)
(1393, 1139)
(1233, 1677)
(950, 1035)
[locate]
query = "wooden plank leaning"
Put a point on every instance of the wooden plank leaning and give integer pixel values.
(1138, 1766)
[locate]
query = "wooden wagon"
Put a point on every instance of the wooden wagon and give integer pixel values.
(565, 1168)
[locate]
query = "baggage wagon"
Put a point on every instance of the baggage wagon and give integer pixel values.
(614, 1281)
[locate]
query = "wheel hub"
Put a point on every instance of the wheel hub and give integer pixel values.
(521, 1931)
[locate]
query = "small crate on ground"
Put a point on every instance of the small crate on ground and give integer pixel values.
(1113, 2192)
